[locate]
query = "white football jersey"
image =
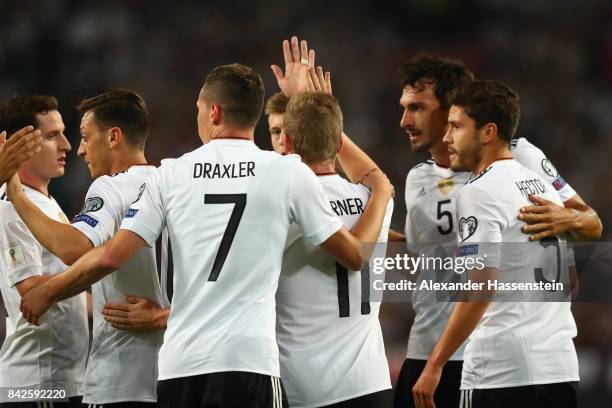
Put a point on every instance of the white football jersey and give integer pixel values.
(431, 225)
(329, 336)
(227, 207)
(516, 343)
(114, 354)
(50, 356)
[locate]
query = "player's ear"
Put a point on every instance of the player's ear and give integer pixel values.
(216, 114)
(340, 145)
(287, 143)
(114, 137)
(488, 133)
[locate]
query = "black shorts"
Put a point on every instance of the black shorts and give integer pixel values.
(74, 402)
(222, 390)
(447, 394)
(123, 404)
(558, 395)
(381, 399)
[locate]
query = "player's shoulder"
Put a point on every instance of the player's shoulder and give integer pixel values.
(523, 150)
(420, 171)
(7, 211)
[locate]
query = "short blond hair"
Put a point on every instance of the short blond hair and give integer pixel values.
(277, 104)
(313, 122)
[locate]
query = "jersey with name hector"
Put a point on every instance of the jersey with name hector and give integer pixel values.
(330, 340)
(515, 343)
(228, 236)
(431, 223)
(117, 353)
(50, 356)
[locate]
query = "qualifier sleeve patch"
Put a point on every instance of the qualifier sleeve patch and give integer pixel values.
(13, 255)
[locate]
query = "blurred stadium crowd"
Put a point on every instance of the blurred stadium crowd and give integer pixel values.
(556, 55)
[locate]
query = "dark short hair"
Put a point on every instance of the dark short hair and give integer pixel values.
(277, 104)
(20, 111)
(446, 75)
(240, 92)
(490, 102)
(120, 108)
(313, 122)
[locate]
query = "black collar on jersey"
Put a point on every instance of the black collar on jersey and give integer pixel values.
(231, 137)
(331, 173)
(486, 169)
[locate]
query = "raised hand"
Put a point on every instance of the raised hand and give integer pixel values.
(321, 81)
(22, 145)
(298, 63)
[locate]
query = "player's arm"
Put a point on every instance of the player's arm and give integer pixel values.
(21, 146)
(137, 314)
(545, 219)
(353, 249)
(62, 240)
(90, 268)
(477, 205)
(395, 236)
(461, 323)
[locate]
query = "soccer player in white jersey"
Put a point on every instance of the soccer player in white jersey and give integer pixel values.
(275, 109)
(519, 353)
(122, 365)
(49, 358)
(431, 190)
(227, 206)
(331, 346)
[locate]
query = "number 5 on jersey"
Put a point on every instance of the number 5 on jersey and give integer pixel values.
(239, 201)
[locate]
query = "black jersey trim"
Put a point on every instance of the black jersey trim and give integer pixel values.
(482, 173)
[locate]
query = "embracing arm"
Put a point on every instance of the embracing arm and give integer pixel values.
(545, 219)
(62, 240)
(90, 268)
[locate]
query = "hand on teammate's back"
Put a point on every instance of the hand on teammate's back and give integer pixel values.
(137, 314)
(21, 146)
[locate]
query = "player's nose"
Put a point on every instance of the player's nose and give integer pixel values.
(81, 151)
(64, 144)
(406, 120)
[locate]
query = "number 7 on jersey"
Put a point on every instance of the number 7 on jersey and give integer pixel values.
(239, 201)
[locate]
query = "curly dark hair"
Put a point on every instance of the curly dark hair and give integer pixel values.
(446, 74)
(20, 111)
(490, 102)
(122, 108)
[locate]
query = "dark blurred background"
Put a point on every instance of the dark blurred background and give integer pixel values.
(556, 55)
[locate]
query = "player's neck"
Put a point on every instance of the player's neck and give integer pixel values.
(229, 133)
(440, 155)
(491, 155)
(124, 161)
(323, 168)
(40, 184)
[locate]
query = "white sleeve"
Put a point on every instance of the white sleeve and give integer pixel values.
(481, 222)
(384, 231)
(145, 216)
(410, 194)
(309, 207)
(535, 160)
(21, 253)
(99, 218)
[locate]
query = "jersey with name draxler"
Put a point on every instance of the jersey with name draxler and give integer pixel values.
(227, 206)
(50, 356)
(516, 342)
(329, 335)
(122, 365)
(431, 225)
